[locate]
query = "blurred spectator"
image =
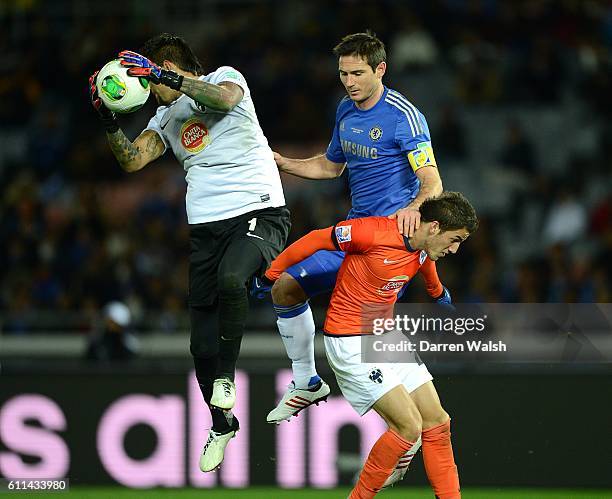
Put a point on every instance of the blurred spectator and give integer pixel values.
(449, 137)
(566, 220)
(518, 151)
(541, 76)
(601, 217)
(478, 69)
(413, 46)
(113, 341)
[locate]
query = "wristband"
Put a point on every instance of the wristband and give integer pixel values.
(111, 125)
(171, 79)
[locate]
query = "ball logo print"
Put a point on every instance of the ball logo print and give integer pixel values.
(120, 92)
(194, 136)
(376, 375)
(113, 87)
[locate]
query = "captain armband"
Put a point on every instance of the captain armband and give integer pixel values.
(422, 156)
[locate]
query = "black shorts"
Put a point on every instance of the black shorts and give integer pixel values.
(266, 229)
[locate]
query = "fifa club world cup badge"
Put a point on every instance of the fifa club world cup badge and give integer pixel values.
(343, 233)
(376, 375)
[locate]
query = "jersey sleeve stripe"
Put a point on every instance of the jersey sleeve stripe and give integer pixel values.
(414, 112)
(408, 117)
(409, 110)
(403, 100)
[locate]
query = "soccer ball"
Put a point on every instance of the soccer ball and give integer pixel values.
(120, 92)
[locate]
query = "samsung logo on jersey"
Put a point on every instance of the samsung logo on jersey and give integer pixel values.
(349, 147)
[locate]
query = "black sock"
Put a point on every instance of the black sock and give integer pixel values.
(205, 369)
(222, 420)
(233, 310)
(206, 374)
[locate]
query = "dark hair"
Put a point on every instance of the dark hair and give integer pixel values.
(365, 45)
(451, 210)
(172, 48)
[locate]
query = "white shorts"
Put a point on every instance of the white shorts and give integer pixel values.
(363, 384)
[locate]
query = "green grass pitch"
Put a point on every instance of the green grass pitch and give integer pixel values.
(277, 493)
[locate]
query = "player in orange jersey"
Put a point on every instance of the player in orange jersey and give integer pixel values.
(379, 261)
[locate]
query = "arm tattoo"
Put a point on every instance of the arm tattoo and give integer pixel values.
(154, 146)
(122, 148)
(206, 93)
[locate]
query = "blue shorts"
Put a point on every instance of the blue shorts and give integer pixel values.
(317, 274)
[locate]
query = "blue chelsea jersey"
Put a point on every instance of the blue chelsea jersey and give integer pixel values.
(375, 144)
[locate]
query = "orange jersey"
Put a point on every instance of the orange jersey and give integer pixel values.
(378, 263)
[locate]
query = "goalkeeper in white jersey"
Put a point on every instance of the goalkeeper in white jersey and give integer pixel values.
(235, 204)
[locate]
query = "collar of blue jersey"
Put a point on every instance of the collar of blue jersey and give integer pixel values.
(378, 102)
(407, 244)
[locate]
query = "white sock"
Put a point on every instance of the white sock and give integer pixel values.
(297, 328)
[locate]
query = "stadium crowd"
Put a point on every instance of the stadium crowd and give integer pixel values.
(77, 232)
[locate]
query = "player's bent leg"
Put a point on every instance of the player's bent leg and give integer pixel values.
(314, 275)
(400, 413)
(428, 403)
(240, 261)
(296, 327)
(437, 448)
(413, 376)
(404, 420)
(204, 349)
(287, 292)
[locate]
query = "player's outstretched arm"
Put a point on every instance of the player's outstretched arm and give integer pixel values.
(223, 97)
(312, 242)
(134, 156)
(317, 167)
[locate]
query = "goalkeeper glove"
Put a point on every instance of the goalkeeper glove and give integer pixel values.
(260, 287)
(107, 117)
(142, 67)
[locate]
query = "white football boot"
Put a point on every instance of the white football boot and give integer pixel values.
(224, 394)
(297, 399)
(214, 448)
(402, 465)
